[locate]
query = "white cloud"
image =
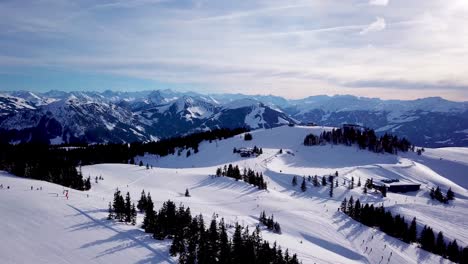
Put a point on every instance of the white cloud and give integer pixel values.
(379, 2)
(305, 48)
(378, 25)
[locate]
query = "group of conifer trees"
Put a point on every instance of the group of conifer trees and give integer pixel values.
(255, 150)
(366, 139)
(325, 180)
(437, 194)
(396, 226)
(40, 162)
(248, 175)
(193, 243)
(58, 164)
(122, 209)
(270, 223)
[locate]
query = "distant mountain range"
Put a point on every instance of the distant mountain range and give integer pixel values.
(97, 117)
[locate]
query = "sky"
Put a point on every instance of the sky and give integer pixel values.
(391, 49)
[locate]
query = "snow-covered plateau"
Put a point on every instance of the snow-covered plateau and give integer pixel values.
(43, 226)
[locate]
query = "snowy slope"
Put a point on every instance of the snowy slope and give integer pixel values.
(74, 231)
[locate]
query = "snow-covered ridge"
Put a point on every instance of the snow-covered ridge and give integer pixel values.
(428, 122)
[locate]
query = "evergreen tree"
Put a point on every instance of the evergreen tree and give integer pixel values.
(128, 208)
(142, 202)
(224, 244)
(303, 185)
(440, 247)
(237, 245)
(150, 216)
(294, 181)
(412, 231)
(111, 212)
(330, 192)
(324, 181)
(427, 239)
(133, 214)
(432, 193)
(359, 182)
(187, 194)
(344, 205)
(87, 183)
(213, 241)
(315, 181)
(453, 251)
(450, 194)
(141, 163)
(350, 209)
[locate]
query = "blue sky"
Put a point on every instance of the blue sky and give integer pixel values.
(376, 48)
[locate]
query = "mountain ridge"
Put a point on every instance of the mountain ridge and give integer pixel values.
(114, 116)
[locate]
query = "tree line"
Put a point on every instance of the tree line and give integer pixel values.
(193, 243)
(58, 163)
(365, 139)
(397, 227)
(248, 175)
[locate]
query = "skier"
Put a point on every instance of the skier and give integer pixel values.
(66, 194)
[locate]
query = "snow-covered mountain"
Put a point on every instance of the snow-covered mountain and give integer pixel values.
(43, 226)
(426, 122)
(112, 116)
(59, 117)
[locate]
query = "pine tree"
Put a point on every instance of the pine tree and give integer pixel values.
(412, 231)
(128, 208)
(303, 185)
(187, 194)
(453, 251)
(133, 214)
(294, 181)
(142, 202)
(213, 241)
(330, 192)
(359, 182)
(350, 209)
(150, 216)
(141, 163)
(343, 206)
(450, 194)
(237, 245)
(440, 247)
(87, 183)
(324, 181)
(432, 193)
(315, 181)
(224, 245)
(111, 212)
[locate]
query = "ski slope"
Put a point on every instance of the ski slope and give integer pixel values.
(44, 227)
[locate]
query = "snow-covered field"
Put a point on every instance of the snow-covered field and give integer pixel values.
(42, 226)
